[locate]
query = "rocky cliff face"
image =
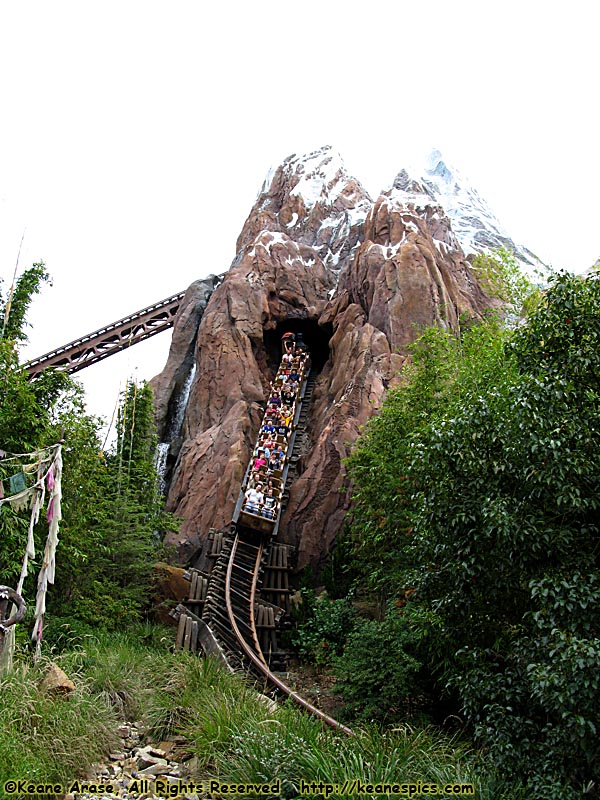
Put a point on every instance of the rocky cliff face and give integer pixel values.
(359, 278)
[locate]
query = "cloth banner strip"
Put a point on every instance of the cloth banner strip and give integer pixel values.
(47, 465)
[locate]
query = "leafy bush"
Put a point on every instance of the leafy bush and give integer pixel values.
(490, 509)
(323, 627)
(377, 672)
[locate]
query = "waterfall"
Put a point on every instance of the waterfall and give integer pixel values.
(181, 405)
(173, 431)
(160, 464)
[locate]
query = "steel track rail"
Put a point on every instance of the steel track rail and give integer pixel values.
(256, 657)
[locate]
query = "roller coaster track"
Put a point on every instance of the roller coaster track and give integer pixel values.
(110, 339)
(240, 589)
(228, 623)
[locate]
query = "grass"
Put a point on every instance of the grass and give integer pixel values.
(49, 739)
(235, 735)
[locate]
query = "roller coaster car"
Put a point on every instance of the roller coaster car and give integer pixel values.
(255, 523)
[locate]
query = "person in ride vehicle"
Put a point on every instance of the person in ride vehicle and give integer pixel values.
(283, 430)
(287, 395)
(288, 342)
(272, 412)
(268, 428)
(254, 479)
(292, 386)
(260, 461)
(254, 499)
(274, 398)
(287, 360)
(279, 453)
(269, 505)
(272, 483)
(268, 444)
(286, 416)
(274, 462)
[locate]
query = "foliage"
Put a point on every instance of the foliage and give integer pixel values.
(322, 626)
(234, 734)
(500, 276)
(443, 374)
(376, 674)
(490, 509)
(112, 510)
(25, 407)
(26, 412)
(13, 311)
(47, 738)
(111, 534)
(292, 748)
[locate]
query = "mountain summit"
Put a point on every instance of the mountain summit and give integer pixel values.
(473, 223)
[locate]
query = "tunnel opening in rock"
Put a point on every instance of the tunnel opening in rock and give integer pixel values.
(316, 337)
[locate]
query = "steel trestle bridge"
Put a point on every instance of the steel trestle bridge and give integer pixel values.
(110, 339)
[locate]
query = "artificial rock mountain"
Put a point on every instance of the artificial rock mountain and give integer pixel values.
(360, 278)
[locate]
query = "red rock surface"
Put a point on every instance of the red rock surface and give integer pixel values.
(276, 279)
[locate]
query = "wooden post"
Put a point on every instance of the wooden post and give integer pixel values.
(6, 634)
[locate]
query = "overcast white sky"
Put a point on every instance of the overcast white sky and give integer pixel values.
(135, 135)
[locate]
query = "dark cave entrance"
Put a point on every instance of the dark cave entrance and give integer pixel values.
(316, 337)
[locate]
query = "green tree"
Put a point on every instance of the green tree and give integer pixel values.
(25, 406)
(498, 531)
(115, 520)
(13, 314)
(112, 510)
(26, 410)
(500, 276)
(444, 372)
(377, 673)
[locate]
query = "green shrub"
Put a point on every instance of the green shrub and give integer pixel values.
(377, 672)
(48, 738)
(323, 627)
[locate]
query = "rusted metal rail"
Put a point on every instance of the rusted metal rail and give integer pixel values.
(240, 590)
(110, 339)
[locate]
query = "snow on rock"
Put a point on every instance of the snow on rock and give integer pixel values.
(473, 223)
(314, 199)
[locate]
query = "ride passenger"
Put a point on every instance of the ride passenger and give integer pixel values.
(254, 499)
(254, 479)
(260, 461)
(287, 396)
(272, 411)
(286, 417)
(287, 360)
(288, 342)
(274, 462)
(283, 430)
(269, 505)
(268, 445)
(274, 399)
(279, 453)
(268, 428)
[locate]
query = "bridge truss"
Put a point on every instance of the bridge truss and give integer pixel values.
(110, 339)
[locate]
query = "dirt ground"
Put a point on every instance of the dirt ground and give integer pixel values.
(314, 684)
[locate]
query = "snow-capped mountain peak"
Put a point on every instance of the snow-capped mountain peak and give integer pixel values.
(475, 225)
